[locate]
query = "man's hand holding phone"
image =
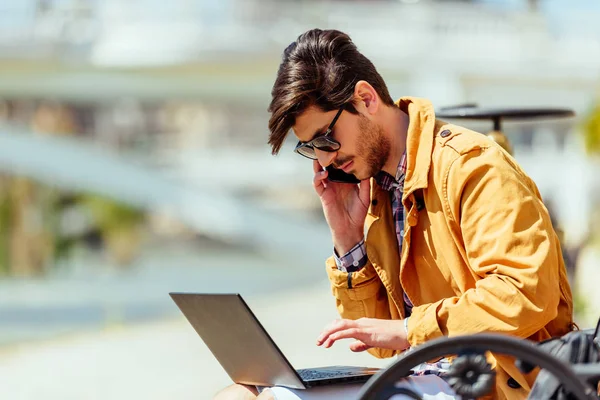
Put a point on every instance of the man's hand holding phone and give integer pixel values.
(345, 207)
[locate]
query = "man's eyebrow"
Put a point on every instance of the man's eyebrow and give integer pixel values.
(318, 132)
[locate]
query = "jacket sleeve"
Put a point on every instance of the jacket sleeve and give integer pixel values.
(509, 245)
(365, 296)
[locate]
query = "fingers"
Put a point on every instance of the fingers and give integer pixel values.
(364, 192)
(358, 346)
(320, 182)
(337, 325)
(367, 332)
(320, 178)
(350, 333)
(317, 167)
(339, 329)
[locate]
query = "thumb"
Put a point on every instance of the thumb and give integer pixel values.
(364, 192)
(358, 346)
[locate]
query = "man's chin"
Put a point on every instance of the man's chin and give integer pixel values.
(361, 177)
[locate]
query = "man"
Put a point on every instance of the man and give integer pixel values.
(445, 235)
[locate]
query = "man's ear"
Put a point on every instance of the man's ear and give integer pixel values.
(366, 97)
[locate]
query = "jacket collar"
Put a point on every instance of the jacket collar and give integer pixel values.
(419, 142)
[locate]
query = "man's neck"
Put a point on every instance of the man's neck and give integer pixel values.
(396, 127)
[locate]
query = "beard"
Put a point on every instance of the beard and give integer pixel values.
(373, 146)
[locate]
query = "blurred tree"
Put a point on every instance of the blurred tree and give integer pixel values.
(119, 226)
(30, 244)
(41, 225)
(591, 131)
(5, 225)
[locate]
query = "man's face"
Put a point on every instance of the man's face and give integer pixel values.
(364, 147)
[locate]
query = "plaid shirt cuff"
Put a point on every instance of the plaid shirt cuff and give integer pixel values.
(353, 260)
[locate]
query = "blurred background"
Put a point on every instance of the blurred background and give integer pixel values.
(133, 162)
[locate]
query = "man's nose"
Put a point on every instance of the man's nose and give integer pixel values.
(325, 158)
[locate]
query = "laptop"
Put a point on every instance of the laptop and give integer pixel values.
(246, 351)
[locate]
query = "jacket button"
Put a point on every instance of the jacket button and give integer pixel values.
(513, 384)
(374, 202)
(445, 133)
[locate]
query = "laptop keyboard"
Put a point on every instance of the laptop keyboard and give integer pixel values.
(310, 374)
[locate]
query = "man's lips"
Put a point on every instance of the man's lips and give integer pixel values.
(346, 167)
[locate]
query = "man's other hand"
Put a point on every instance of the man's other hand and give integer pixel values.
(367, 332)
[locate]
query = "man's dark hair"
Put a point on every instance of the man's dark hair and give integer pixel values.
(320, 68)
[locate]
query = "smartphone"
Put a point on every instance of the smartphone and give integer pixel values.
(337, 175)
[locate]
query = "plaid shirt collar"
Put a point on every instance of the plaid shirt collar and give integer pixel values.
(387, 181)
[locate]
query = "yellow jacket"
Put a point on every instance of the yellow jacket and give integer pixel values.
(480, 256)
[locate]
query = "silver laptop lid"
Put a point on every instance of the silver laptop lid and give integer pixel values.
(237, 340)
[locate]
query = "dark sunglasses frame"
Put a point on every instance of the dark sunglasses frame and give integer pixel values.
(322, 142)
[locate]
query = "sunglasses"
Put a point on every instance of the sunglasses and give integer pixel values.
(323, 142)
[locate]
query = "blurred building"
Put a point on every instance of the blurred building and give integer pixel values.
(183, 86)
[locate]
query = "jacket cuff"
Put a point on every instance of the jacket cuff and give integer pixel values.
(353, 260)
(423, 324)
(364, 283)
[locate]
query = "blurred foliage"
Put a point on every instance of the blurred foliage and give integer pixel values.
(111, 215)
(580, 305)
(591, 131)
(33, 238)
(5, 224)
(119, 226)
